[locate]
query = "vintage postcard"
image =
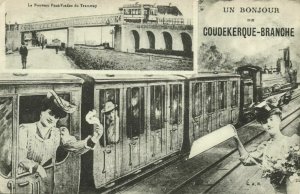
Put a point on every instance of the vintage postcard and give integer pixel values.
(168, 96)
(99, 35)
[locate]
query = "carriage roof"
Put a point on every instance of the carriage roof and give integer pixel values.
(37, 78)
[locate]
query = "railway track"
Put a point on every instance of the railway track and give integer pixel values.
(175, 175)
(230, 162)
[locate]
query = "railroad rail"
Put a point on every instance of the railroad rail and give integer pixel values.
(181, 174)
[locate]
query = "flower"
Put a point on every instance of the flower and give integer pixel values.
(281, 168)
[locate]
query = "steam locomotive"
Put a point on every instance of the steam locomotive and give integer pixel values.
(258, 83)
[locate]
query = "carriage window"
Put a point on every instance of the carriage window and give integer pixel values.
(234, 94)
(6, 130)
(135, 114)
(157, 107)
(176, 104)
(210, 97)
(222, 92)
(29, 113)
(258, 78)
(248, 95)
(109, 116)
(197, 99)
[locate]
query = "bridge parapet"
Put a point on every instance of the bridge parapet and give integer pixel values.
(161, 26)
(82, 21)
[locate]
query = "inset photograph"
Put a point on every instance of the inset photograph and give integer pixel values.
(99, 35)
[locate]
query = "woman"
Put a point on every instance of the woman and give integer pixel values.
(269, 154)
(39, 141)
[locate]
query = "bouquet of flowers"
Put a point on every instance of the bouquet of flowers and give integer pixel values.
(278, 170)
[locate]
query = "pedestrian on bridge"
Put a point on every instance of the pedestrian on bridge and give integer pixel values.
(23, 52)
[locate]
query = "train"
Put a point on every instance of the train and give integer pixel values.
(259, 83)
(157, 117)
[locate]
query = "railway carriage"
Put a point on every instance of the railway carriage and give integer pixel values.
(149, 118)
(213, 103)
(20, 100)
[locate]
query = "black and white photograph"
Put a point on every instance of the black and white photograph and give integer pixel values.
(99, 35)
(150, 97)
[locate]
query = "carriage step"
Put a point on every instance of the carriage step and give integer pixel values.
(137, 172)
(110, 185)
(157, 162)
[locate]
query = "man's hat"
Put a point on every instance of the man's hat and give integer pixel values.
(109, 106)
(268, 107)
(61, 103)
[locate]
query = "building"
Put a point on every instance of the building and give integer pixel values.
(146, 13)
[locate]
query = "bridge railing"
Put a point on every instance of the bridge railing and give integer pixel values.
(97, 20)
(174, 21)
(109, 19)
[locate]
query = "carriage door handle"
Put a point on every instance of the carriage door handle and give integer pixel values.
(220, 124)
(104, 159)
(154, 145)
(132, 143)
(171, 136)
(23, 184)
(10, 185)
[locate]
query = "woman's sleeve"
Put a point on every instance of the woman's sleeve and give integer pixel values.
(254, 155)
(71, 144)
(24, 162)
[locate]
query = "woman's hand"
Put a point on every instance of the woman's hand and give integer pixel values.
(92, 119)
(41, 171)
(240, 146)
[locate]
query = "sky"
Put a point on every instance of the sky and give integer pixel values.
(288, 16)
(20, 12)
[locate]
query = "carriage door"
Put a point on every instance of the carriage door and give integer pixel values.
(234, 112)
(107, 154)
(196, 110)
(157, 142)
(135, 143)
(175, 118)
(210, 107)
(31, 146)
(222, 103)
(7, 140)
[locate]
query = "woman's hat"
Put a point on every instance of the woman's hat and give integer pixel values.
(61, 103)
(268, 107)
(109, 106)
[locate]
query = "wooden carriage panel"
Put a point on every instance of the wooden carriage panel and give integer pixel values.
(8, 107)
(135, 133)
(222, 103)
(175, 117)
(196, 110)
(67, 172)
(234, 100)
(157, 126)
(108, 153)
(210, 101)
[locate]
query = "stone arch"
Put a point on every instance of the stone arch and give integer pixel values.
(168, 40)
(136, 38)
(186, 42)
(151, 39)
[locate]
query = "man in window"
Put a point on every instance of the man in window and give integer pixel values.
(39, 141)
(111, 120)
